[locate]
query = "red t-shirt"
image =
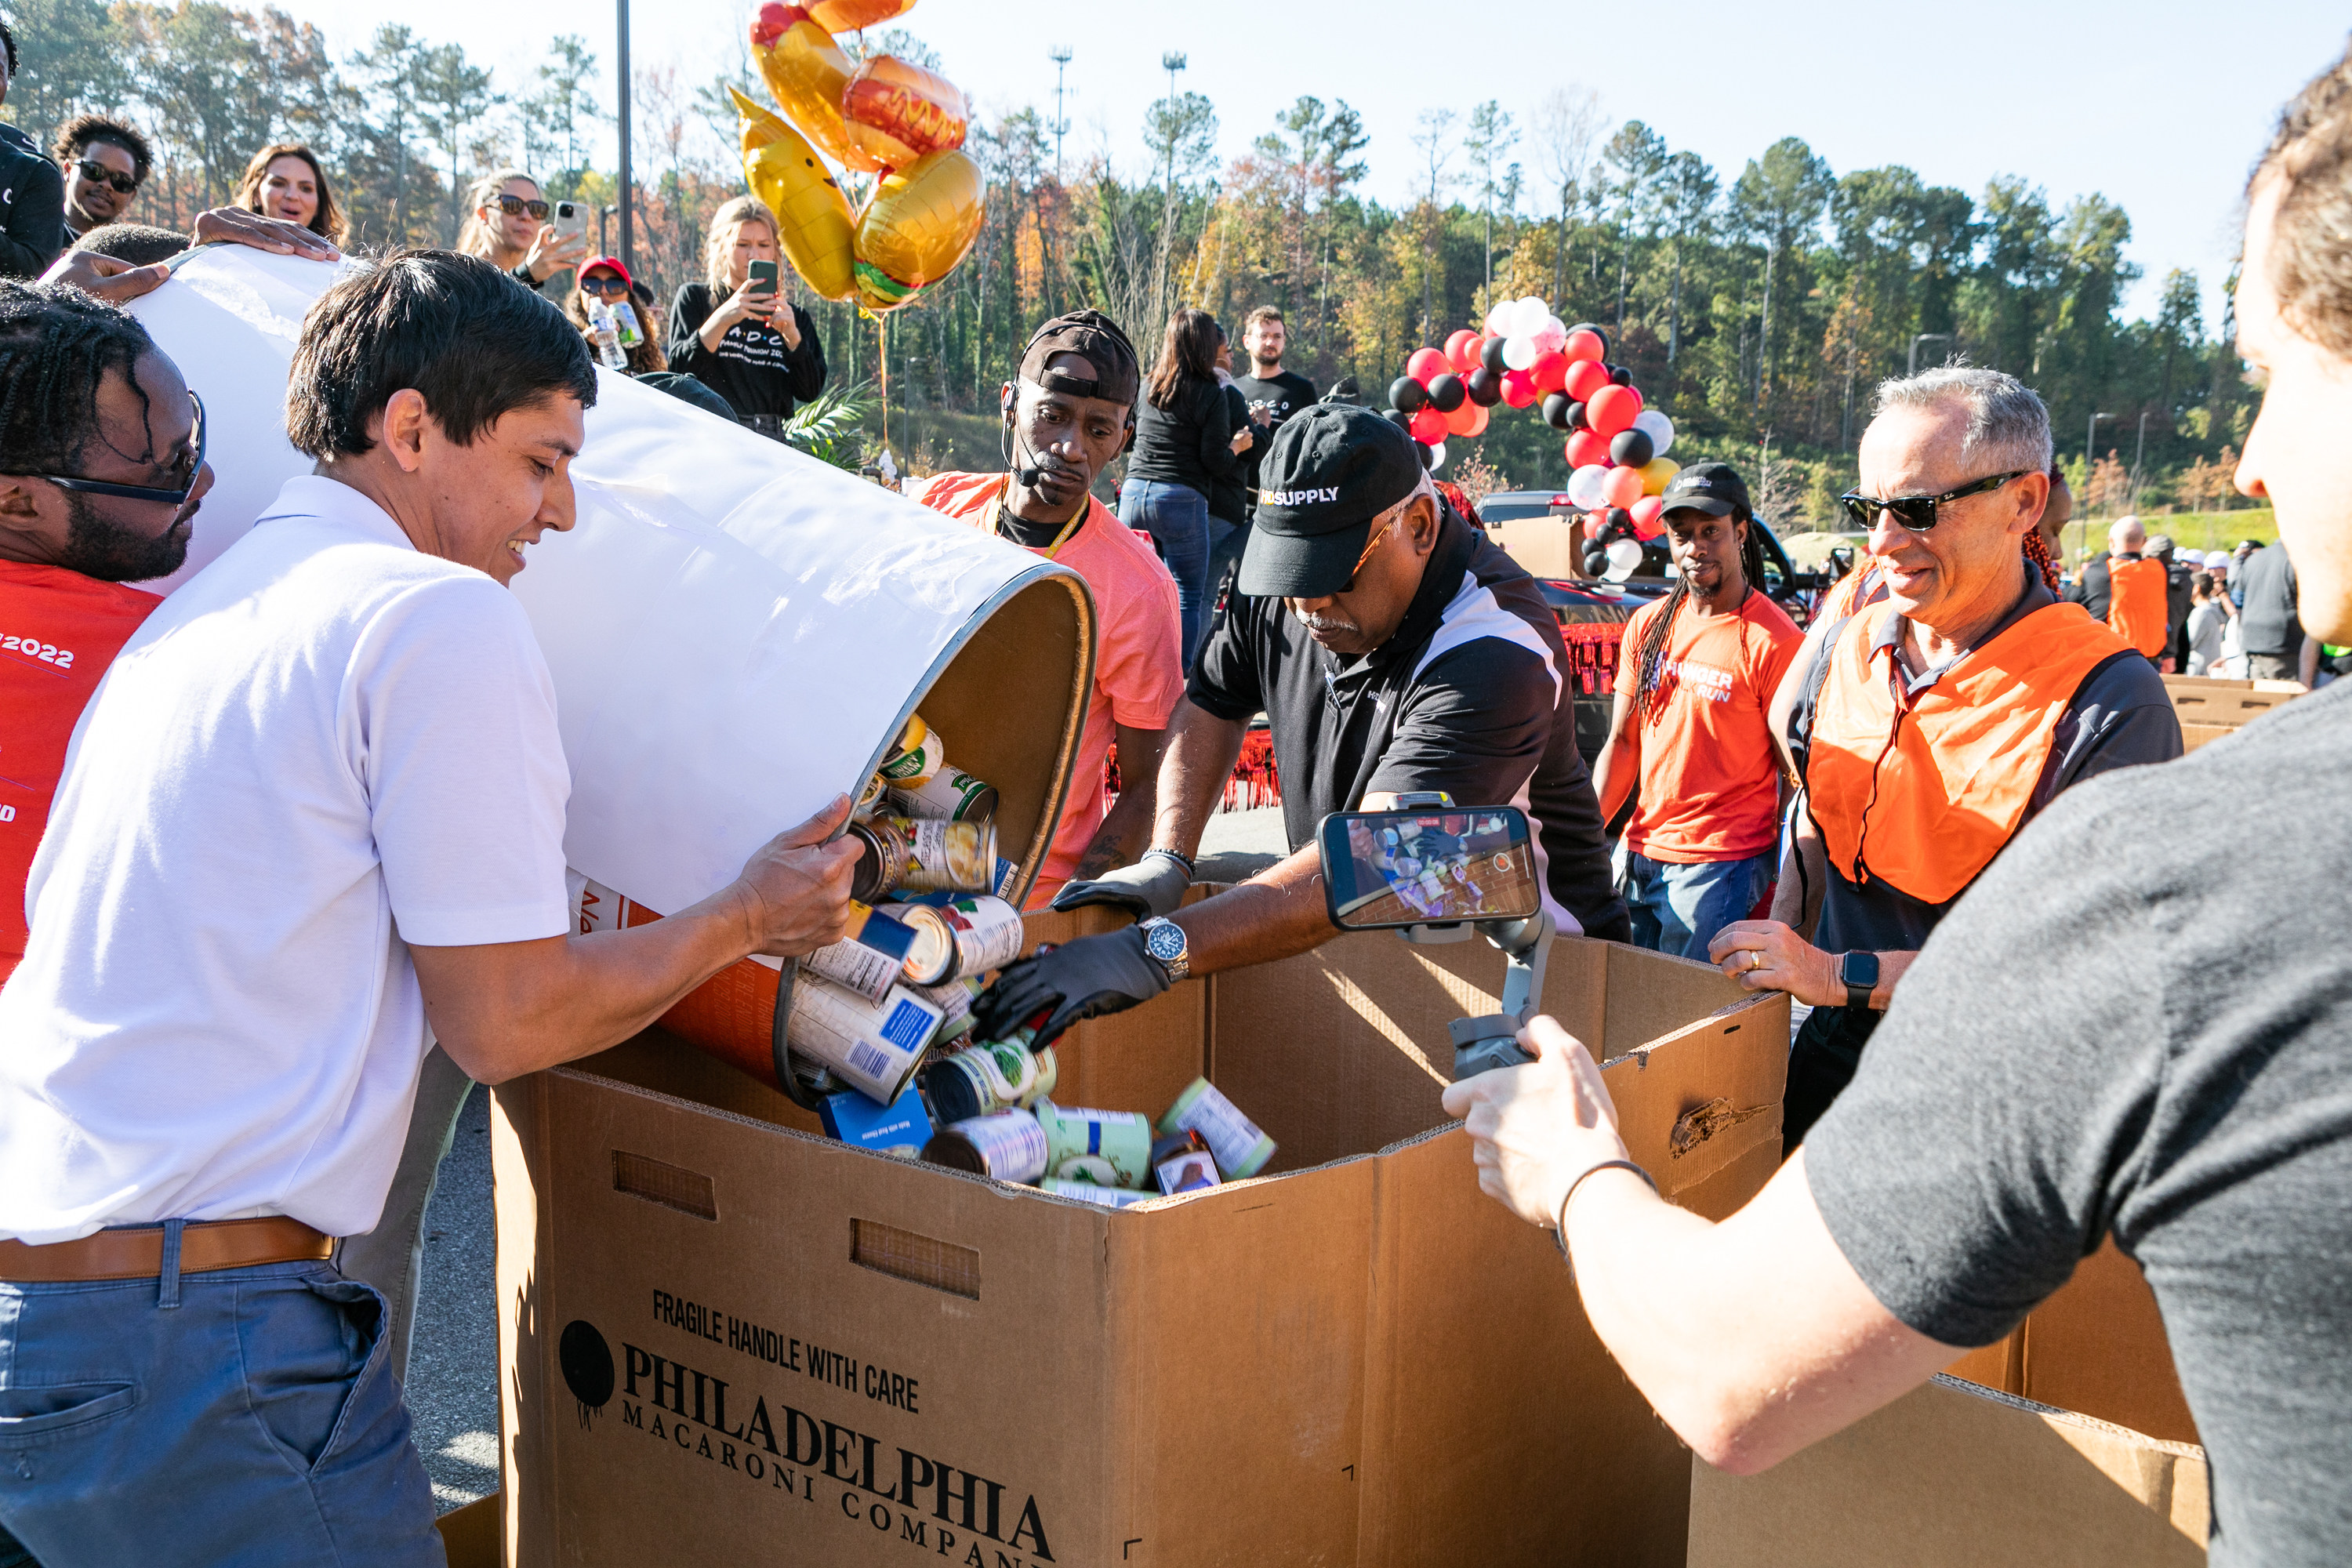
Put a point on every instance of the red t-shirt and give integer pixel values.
(1139, 651)
(1710, 780)
(59, 631)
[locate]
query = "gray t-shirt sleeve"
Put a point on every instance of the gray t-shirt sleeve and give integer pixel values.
(2001, 1111)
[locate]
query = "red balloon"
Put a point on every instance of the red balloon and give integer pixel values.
(1429, 425)
(1462, 352)
(1549, 373)
(1649, 516)
(1426, 365)
(1621, 487)
(1583, 346)
(1586, 448)
(1518, 388)
(1585, 377)
(1594, 521)
(1611, 410)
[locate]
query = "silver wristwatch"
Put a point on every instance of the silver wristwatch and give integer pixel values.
(1163, 938)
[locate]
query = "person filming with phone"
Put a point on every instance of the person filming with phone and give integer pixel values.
(1397, 653)
(736, 330)
(507, 224)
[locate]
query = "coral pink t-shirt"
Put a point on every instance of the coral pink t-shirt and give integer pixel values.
(1138, 658)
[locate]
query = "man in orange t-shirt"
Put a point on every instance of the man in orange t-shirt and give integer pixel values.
(1690, 725)
(1071, 412)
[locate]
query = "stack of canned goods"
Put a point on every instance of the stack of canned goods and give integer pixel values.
(1110, 1157)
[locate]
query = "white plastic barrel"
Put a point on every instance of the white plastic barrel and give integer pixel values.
(736, 630)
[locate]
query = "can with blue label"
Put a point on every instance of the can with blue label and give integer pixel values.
(873, 1047)
(1006, 1144)
(1111, 1148)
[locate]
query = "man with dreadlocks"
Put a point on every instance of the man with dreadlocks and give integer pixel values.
(1939, 719)
(1689, 725)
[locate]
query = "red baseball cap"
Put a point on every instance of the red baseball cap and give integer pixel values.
(613, 262)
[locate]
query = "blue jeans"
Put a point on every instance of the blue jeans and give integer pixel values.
(1178, 517)
(241, 1415)
(1678, 909)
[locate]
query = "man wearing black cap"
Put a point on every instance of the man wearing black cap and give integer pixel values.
(1689, 737)
(1394, 650)
(1070, 413)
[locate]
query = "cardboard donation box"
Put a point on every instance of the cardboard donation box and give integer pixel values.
(2210, 708)
(723, 1336)
(1551, 545)
(2067, 1443)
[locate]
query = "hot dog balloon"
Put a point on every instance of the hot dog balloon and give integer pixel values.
(853, 15)
(898, 113)
(808, 73)
(812, 215)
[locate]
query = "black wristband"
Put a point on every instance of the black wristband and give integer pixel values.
(1559, 1231)
(1179, 856)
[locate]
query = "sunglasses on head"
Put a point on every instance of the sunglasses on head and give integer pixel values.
(178, 497)
(98, 173)
(602, 283)
(515, 206)
(1917, 513)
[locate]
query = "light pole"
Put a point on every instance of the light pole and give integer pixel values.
(2090, 465)
(603, 218)
(628, 228)
(2139, 450)
(1172, 61)
(1060, 55)
(1917, 339)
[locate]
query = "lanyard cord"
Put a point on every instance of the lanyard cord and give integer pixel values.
(1004, 510)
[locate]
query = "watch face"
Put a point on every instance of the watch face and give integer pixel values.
(1166, 942)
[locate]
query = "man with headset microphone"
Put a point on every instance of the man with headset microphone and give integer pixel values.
(1070, 413)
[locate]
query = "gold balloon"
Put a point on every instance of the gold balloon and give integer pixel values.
(813, 216)
(920, 221)
(1657, 472)
(807, 72)
(850, 15)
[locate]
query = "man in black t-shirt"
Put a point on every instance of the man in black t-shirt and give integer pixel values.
(1394, 650)
(1274, 394)
(2114, 1033)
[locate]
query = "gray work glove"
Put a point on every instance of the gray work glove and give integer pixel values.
(1152, 885)
(1081, 979)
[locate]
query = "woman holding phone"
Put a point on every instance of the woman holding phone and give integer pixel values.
(738, 332)
(508, 225)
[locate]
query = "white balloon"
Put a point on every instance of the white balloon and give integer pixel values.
(1519, 351)
(1658, 428)
(1436, 456)
(1549, 338)
(1624, 555)
(1584, 487)
(1528, 316)
(1498, 320)
(1554, 325)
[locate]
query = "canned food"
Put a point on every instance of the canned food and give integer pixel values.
(918, 754)
(944, 856)
(1006, 1144)
(870, 798)
(954, 1003)
(1116, 1141)
(881, 858)
(870, 959)
(1049, 1074)
(949, 796)
(1091, 1193)
(1240, 1148)
(873, 1047)
(1187, 1173)
(983, 1077)
(1091, 1168)
(931, 956)
(1008, 877)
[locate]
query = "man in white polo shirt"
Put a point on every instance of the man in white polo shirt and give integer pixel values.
(317, 804)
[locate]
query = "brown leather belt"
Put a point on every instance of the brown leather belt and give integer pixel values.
(138, 1252)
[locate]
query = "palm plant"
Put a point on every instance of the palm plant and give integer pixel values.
(830, 428)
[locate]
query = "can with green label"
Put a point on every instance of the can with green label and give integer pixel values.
(1086, 1146)
(1241, 1149)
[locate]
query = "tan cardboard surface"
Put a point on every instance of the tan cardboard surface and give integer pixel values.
(470, 1535)
(1548, 546)
(1953, 1476)
(2205, 700)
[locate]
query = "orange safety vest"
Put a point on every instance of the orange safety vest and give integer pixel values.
(2137, 608)
(59, 631)
(1922, 796)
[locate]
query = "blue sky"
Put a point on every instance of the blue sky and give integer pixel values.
(2160, 105)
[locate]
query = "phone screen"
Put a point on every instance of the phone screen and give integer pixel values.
(763, 277)
(1386, 868)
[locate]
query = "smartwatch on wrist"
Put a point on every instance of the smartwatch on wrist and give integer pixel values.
(1858, 971)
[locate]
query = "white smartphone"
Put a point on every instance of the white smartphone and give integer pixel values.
(571, 219)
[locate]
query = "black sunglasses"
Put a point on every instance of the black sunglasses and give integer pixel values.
(143, 492)
(1917, 513)
(515, 206)
(98, 173)
(606, 284)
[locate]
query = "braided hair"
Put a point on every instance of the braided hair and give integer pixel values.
(57, 346)
(2037, 555)
(1649, 660)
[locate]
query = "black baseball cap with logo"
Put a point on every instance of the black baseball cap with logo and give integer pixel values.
(1097, 338)
(1331, 468)
(1715, 489)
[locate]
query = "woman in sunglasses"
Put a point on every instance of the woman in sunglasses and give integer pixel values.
(507, 226)
(104, 161)
(606, 278)
(1948, 702)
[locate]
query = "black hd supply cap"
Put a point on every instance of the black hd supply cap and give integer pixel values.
(1715, 489)
(1097, 338)
(1331, 468)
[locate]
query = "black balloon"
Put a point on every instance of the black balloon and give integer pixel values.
(1596, 331)
(1555, 410)
(1491, 356)
(1445, 392)
(1621, 375)
(1596, 560)
(1428, 454)
(1633, 448)
(1619, 526)
(1576, 420)
(1407, 395)
(1399, 417)
(1484, 386)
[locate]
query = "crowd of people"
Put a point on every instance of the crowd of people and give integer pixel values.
(282, 866)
